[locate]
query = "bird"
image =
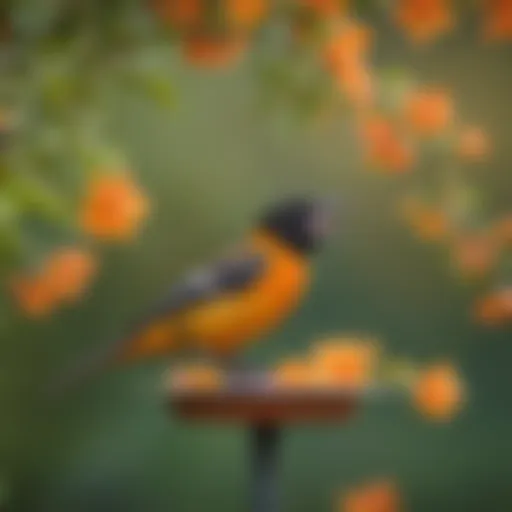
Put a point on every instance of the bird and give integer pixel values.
(220, 308)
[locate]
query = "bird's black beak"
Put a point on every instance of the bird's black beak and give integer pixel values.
(323, 219)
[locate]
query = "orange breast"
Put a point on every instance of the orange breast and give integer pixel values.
(226, 324)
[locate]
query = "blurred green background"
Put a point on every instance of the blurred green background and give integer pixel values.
(209, 168)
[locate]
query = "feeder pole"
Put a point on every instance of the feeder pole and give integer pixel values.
(265, 448)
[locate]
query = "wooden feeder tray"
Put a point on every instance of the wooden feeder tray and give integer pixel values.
(265, 407)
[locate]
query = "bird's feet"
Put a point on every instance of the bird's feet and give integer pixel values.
(241, 374)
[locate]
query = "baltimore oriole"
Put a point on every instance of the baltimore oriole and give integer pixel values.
(220, 308)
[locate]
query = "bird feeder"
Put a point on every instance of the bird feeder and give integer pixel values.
(265, 411)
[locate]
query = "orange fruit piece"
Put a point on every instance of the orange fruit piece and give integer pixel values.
(199, 377)
(345, 362)
(438, 392)
(293, 373)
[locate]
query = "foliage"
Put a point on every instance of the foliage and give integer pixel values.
(61, 58)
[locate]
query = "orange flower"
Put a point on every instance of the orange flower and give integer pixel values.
(424, 20)
(213, 52)
(495, 308)
(63, 277)
(183, 14)
(498, 23)
(326, 7)
(503, 230)
(476, 254)
(345, 362)
(431, 225)
(68, 272)
(344, 55)
(349, 45)
(357, 84)
(293, 373)
(114, 207)
(246, 13)
(473, 144)
(385, 147)
(380, 496)
(438, 392)
(33, 296)
(428, 223)
(429, 112)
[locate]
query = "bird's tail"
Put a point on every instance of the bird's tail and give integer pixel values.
(155, 340)
(81, 373)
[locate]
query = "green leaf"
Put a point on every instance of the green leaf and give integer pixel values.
(9, 210)
(155, 87)
(34, 196)
(11, 247)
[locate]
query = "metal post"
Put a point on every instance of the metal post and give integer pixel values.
(265, 444)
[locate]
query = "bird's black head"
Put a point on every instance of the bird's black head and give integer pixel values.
(302, 224)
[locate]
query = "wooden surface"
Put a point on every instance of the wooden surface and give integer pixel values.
(265, 406)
